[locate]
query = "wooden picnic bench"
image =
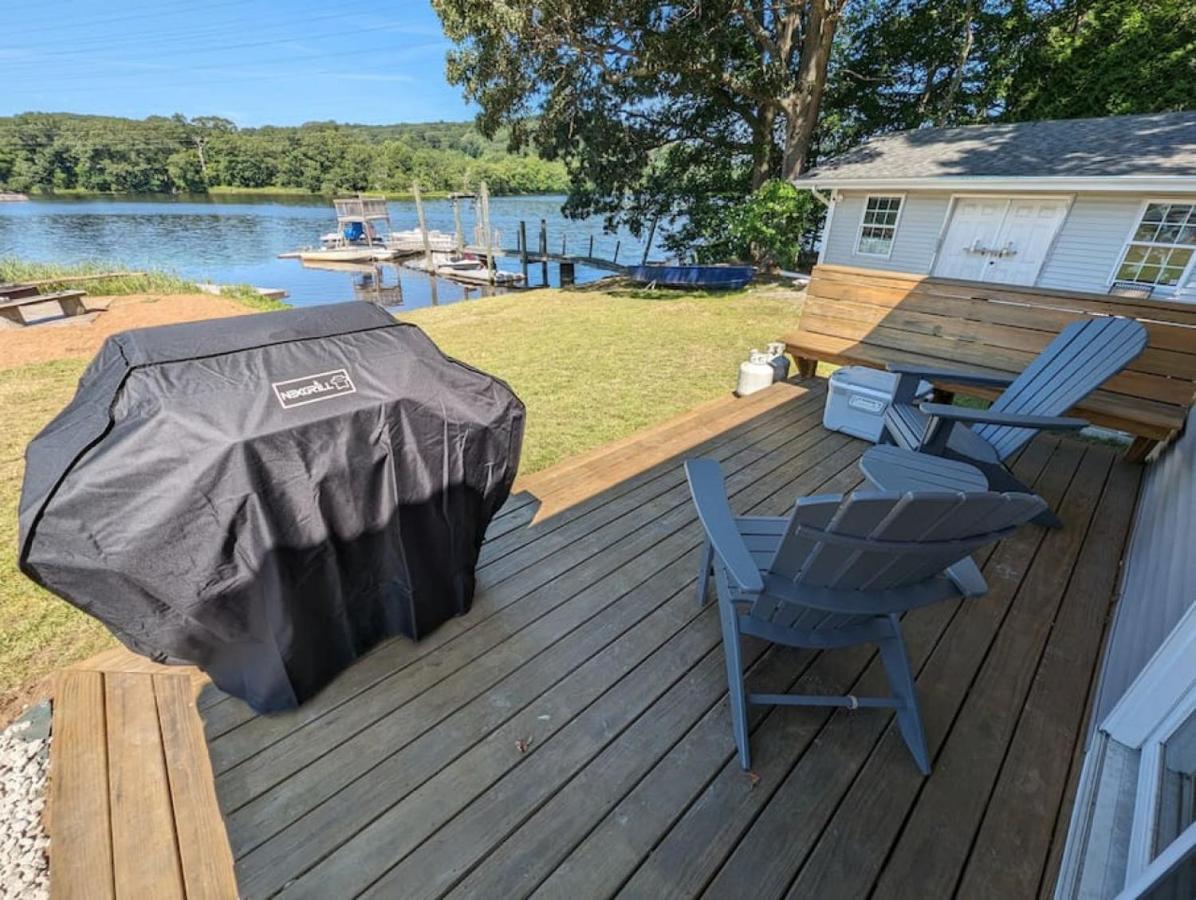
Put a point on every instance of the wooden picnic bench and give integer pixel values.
(872, 318)
(15, 300)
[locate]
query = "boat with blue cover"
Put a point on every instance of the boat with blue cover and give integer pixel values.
(727, 278)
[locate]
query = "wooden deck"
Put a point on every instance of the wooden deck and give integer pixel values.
(569, 737)
(132, 810)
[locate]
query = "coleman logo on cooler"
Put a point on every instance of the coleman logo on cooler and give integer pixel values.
(310, 388)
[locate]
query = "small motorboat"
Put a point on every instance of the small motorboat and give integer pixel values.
(467, 268)
(717, 278)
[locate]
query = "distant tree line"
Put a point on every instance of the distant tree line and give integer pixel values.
(55, 151)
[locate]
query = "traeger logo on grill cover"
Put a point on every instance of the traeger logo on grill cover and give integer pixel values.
(311, 388)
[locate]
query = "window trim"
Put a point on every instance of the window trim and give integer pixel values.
(859, 229)
(1165, 290)
(1154, 706)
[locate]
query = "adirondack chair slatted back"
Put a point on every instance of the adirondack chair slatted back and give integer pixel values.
(1079, 360)
(881, 541)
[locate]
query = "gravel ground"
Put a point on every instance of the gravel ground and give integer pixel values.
(24, 763)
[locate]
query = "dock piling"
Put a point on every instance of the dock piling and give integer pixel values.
(523, 248)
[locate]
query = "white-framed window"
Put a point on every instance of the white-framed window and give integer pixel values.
(878, 224)
(1162, 246)
(1157, 719)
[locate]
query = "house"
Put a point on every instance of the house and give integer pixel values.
(1093, 205)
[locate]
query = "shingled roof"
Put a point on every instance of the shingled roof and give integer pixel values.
(1146, 146)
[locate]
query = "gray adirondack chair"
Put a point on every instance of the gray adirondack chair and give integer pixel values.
(1080, 359)
(838, 572)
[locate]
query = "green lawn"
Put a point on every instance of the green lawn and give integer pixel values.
(590, 365)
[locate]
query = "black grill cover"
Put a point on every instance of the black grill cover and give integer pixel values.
(268, 496)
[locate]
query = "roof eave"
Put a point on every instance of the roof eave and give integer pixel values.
(1102, 183)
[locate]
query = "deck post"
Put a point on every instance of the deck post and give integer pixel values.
(590, 252)
(544, 251)
(568, 272)
(617, 245)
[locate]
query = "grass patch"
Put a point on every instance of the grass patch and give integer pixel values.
(591, 367)
(40, 633)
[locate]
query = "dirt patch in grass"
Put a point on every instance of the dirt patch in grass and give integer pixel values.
(65, 339)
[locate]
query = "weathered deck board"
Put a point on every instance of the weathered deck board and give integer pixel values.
(569, 737)
(133, 809)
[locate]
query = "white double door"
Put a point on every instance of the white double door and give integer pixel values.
(1002, 239)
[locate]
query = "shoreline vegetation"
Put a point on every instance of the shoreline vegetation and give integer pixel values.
(225, 190)
(65, 153)
(16, 271)
(540, 341)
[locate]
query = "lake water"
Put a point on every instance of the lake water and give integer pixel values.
(237, 239)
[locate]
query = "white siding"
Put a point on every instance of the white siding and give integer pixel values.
(918, 230)
(1090, 241)
(1088, 245)
(1158, 581)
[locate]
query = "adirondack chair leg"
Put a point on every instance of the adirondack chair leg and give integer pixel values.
(735, 685)
(704, 573)
(901, 680)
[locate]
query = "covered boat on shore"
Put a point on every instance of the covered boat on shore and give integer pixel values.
(718, 278)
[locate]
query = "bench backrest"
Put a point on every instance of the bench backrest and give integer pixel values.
(873, 317)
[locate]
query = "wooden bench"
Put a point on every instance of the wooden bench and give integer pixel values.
(13, 308)
(867, 317)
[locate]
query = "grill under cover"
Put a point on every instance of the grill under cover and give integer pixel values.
(269, 496)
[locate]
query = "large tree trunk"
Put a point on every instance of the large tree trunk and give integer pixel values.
(801, 108)
(966, 40)
(762, 142)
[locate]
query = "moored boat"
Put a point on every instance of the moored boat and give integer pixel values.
(725, 278)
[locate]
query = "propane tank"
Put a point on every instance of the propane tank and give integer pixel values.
(755, 374)
(778, 360)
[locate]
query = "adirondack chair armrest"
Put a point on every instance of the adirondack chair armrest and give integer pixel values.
(709, 493)
(970, 416)
(915, 370)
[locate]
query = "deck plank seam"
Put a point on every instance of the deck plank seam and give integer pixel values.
(950, 729)
(1087, 528)
(697, 613)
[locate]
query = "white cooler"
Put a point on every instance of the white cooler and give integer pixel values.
(858, 398)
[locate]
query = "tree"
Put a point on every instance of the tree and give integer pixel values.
(916, 63)
(632, 94)
(1108, 57)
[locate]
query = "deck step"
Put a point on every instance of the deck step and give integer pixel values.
(573, 480)
(132, 808)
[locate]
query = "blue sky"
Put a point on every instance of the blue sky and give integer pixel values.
(258, 63)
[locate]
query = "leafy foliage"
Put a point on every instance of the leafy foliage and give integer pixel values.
(40, 151)
(1108, 57)
(761, 227)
